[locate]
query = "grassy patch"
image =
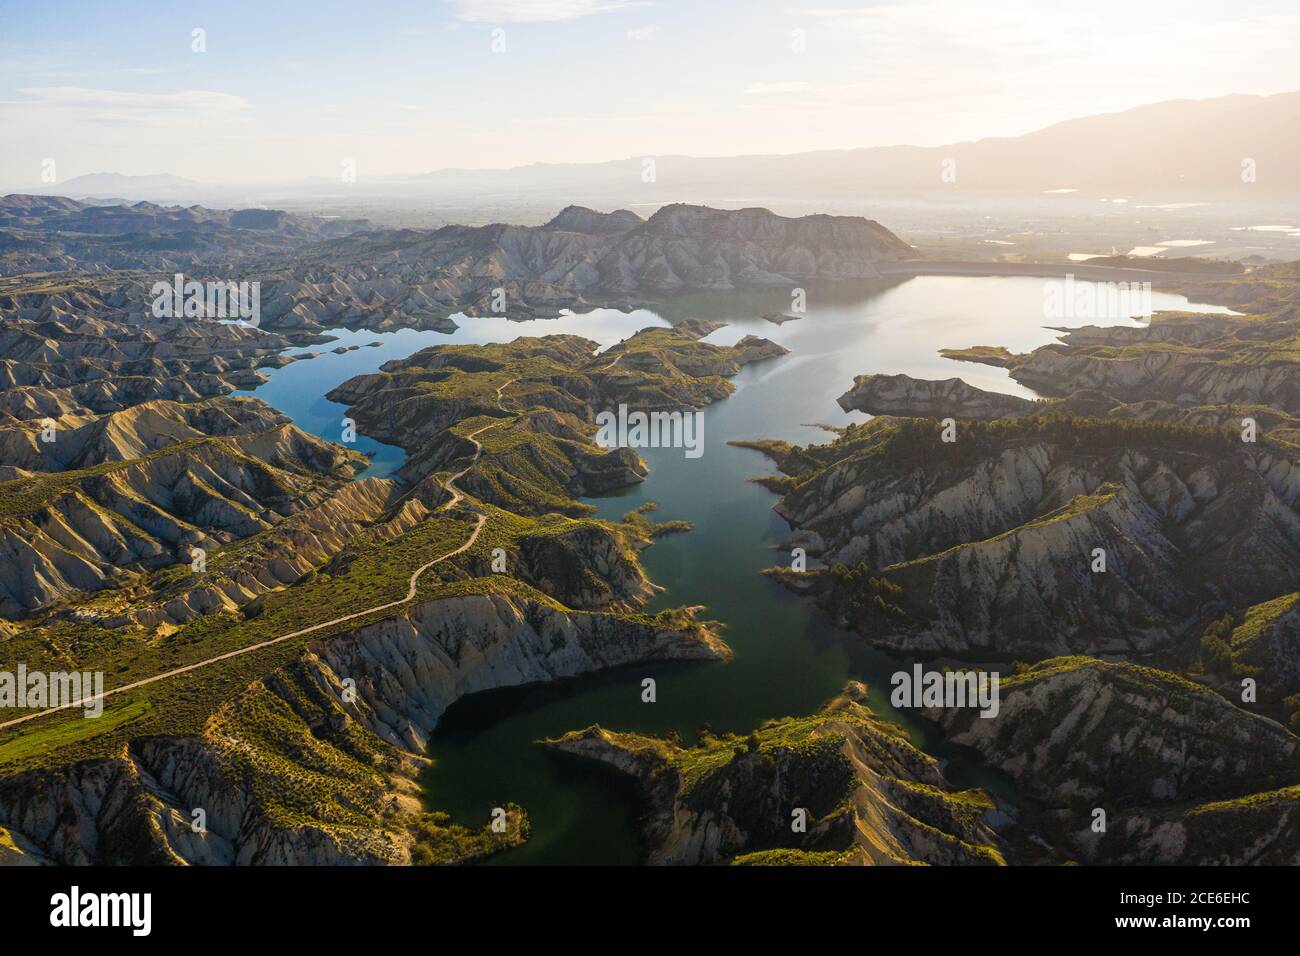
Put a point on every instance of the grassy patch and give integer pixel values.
(78, 729)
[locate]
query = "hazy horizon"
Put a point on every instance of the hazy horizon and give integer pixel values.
(280, 95)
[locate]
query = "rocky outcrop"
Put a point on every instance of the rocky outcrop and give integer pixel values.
(542, 397)
(139, 809)
(405, 278)
(952, 398)
(85, 530)
(1268, 289)
(995, 355)
(411, 668)
(551, 462)
(1178, 358)
(1084, 731)
(82, 349)
(356, 298)
(414, 399)
(949, 398)
(586, 221)
(56, 234)
(296, 771)
(1161, 373)
(993, 538)
(694, 247)
(1258, 829)
(585, 566)
(667, 369)
(78, 442)
(1166, 759)
(868, 796)
(1265, 646)
(579, 259)
(360, 511)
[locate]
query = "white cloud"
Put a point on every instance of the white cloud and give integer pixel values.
(54, 111)
(536, 11)
(642, 34)
(187, 101)
(47, 66)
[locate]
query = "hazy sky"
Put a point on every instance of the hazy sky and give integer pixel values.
(286, 89)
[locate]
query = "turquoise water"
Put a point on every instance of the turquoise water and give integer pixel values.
(788, 659)
(299, 389)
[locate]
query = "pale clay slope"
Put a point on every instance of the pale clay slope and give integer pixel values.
(150, 512)
(408, 670)
(1183, 775)
(897, 799)
(982, 543)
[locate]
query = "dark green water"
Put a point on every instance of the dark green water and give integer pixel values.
(788, 660)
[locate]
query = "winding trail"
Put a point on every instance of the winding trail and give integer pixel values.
(457, 496)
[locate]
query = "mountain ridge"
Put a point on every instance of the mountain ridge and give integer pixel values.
(1183, 143)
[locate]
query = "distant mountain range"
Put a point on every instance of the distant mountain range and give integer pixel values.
(117, 184)
(317, 274)
(1197, 147)
(1188, 144)
(579, 259)
(54, 234)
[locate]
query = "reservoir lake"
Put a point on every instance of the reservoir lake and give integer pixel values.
(789, 660)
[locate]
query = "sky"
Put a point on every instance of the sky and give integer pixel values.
(286, 90)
